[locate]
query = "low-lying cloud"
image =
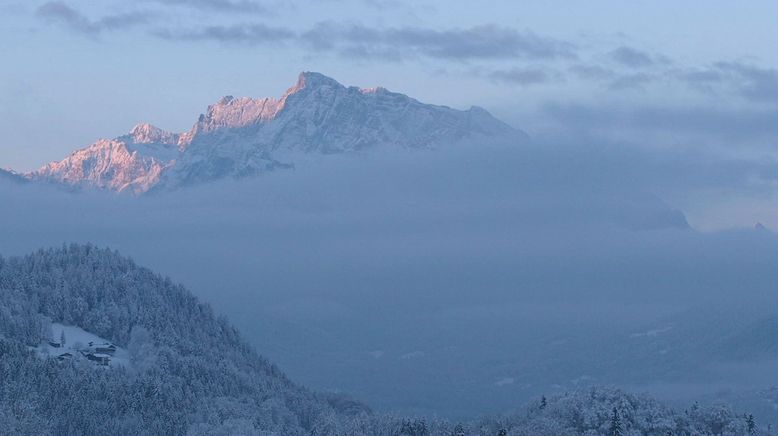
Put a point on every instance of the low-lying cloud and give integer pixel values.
(481, 260)
(729, 129)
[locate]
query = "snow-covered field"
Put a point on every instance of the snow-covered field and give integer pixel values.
(78, 340)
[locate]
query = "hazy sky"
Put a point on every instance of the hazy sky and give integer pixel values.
(665, 72)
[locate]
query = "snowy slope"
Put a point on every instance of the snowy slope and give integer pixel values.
(191, 372)
(132, 162)
(239, 137)
(77, 343)
(243, 136)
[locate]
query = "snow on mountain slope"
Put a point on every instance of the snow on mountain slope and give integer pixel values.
(243, 136)
(239, 137)
(80, 345)
(145, 133)
(133, 162)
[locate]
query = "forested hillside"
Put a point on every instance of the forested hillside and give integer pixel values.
(191, 373)
(190, 370)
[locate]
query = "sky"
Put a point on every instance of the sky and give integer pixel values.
(692, 78)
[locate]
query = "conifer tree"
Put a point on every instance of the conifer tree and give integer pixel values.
(616, 428)
(751, 424)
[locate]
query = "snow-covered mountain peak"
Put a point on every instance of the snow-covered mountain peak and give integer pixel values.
(231, 112)
(309, 80)
(133, 162)
(145, 133)
(244, 136)
(236, 112)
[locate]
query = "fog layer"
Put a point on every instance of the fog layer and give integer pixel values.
(459, 281)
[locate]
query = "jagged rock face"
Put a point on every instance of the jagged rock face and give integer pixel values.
(147, 134)
(133, 162)
(239, 137)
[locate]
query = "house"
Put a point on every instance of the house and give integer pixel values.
(103, 348)
(64, 356)
(99, 358)
(106, 349)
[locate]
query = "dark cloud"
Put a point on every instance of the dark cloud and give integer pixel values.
(59, 12)
(592, 72)
(358, 41)
(705, 80)
(703, 126)
(243, 34)
(523, 76)
(354, 40)
(703, 76)
(631, 57)
(754, 83)
(614, 80)
(479, 42)
(631, 81)
(553, 60)
(241, 6)
(388, 5)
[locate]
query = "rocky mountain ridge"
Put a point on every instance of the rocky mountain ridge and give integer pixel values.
(239, 137)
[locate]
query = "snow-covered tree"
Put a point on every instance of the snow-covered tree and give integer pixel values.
(615, 427)
(192, 373)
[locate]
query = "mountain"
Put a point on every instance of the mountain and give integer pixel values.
(133, 162)
(11, 177)
(242, 136)
(239, 137)
(187, 371)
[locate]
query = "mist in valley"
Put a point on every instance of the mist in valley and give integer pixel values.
(462, 282)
